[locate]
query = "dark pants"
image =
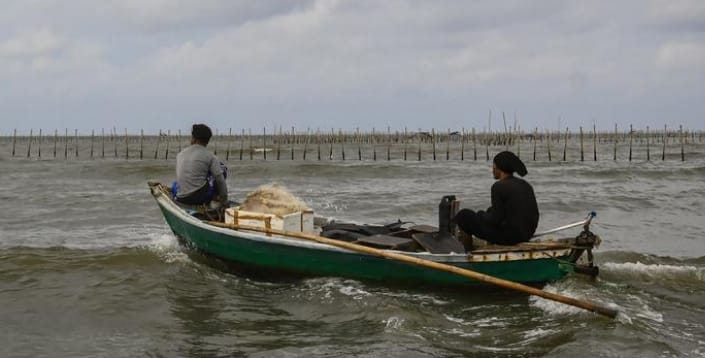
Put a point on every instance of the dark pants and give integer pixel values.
(204, 195)
(472, 223)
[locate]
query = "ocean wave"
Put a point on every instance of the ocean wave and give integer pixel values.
(658, 272)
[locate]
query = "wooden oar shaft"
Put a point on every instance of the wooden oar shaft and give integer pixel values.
(609, 312)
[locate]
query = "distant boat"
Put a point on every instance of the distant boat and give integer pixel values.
(534, 262)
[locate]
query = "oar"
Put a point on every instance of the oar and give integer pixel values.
(587, 220)
(609, 312)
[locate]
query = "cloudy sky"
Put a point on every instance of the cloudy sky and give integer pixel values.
(153, 64)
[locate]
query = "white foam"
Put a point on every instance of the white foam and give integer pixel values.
(166, 246)
(657, 271)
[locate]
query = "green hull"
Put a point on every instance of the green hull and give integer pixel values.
(298, 256)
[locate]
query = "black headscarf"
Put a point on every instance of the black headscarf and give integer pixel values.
(508, 162)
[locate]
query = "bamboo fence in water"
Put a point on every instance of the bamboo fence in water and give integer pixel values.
(291, 144)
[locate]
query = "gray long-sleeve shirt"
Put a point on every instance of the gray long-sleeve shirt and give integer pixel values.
(193, 164)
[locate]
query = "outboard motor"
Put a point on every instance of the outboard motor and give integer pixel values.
(446, 213)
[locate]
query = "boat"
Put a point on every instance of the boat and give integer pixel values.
(319, 253)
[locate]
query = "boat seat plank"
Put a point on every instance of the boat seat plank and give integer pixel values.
(387, 242)
(439, 244)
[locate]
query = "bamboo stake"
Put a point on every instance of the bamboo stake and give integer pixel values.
(614, 156)
(374, 146)
(536, 135)
(230, 142)
(114, 139)
(308, 139)
(178, 141)
(565, 144)
(631, 140)
(14, 142)
(168, 139)
(56, 139)
(406, 140)
(682, 145)
(433, 142)
(127, 149)
(359, 143)
(102, 133)
(142, 144)
(474, 145)
(75, 131)
(448, 146)
(548, 143)
(214, 142)
(249, 135)
(156, 148)
(389, 144)
(279, 145)
(66, 143)
(419, 137)
(606, 311)
(29, 143)
(264, 139)
(92, 140)
(293, 138)
(330, 142)
(462, 144)
(341, 139)
(594, 143)
(39, 144)
(648, 153)
(663, 154)
(242, 142)
(318, 142)
(582, 152)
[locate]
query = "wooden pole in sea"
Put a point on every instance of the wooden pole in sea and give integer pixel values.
(92, 140)
(156, 147)
(374, 144)
(663, 154)
(534, 139)
(114, 139)
(306, 140)
(178, 141)
(264, 139)
(230, 142)
(56, 139)
(75, 135)
(418, 134)
(462, 144)
(249, 136)
(167, 139)
(293, 139)
(433, 142)
(14, 141)
(631, 140)
(648, 140)
(242, 142)
(341, 139)
(406, 140)
(487, 146)
(318, 143)
(330, 142)
(565, 144)
(29, 143)
(66, 143)
(682, 144)
(448, 145)
(582, 148)
(102, 133)
(142, 144)
(474, 144)
(548, 143)
(594, 142)
(614, 155)
(39, 144)
(279, 144)
(127, 149)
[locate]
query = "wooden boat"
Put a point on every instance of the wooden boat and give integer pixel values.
(534, 262)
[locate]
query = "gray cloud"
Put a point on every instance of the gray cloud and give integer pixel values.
(345, 64)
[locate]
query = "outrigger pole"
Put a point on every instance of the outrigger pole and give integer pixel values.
(585, 222)
(605, 311)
